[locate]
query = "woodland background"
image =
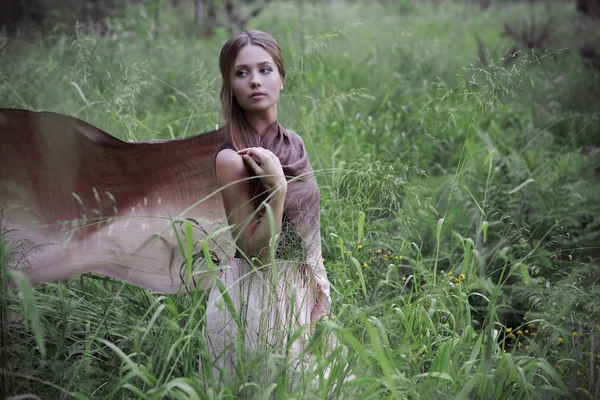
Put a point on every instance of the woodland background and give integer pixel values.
(456, 148)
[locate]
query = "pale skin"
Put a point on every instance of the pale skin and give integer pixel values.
(256, 84)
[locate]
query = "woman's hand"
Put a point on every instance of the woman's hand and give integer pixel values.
(265, 164)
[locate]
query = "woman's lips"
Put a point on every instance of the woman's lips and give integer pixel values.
(257, 95)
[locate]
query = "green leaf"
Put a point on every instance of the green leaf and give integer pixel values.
(440, 375)
(361, 277)
(189, 246)
(484, 229)
(361, 226)
(466, 390)
(135, 370)
(521, 186)
(267, 394)
(186, 385)
(438, 230)
(29, 308)
(381, 356)
(544, 365)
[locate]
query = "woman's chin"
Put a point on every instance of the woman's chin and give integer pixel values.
(258, 108)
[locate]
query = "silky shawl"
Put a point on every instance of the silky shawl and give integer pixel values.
(77, 200)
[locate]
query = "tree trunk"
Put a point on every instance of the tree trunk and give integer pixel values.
(301, 31)
(157, 4)
(211, 19)
(589, 7)
(198, 12)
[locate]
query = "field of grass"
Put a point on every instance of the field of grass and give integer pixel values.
(460, 213)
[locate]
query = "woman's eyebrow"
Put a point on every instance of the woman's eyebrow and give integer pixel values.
(246, 66)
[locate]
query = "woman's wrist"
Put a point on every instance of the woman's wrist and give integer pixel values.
(280, 185)
(279, 192)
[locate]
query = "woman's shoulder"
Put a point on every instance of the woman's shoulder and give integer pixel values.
(229, 167)
(292, 142)
(226, 145)
(291, 134)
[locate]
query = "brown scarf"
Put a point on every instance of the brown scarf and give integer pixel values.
(78, 200)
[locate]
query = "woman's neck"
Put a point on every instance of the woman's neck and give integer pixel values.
(263, 121)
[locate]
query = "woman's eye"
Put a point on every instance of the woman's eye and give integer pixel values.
(265, 70)
(241, 73)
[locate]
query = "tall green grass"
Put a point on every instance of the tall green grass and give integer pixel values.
(459, 209)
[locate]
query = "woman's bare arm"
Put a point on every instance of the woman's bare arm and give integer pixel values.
(252, 235)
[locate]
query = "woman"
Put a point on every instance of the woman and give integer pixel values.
(120, 209)
(282, 296)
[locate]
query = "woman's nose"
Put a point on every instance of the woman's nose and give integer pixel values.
(255, 82)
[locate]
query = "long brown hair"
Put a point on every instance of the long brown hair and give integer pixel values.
(237, 129)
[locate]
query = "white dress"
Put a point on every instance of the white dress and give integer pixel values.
(272, 306)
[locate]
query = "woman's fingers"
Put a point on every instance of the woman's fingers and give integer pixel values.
(253, 153)
(247, 150)
(263, 162)
(250, 161)
(258, 152)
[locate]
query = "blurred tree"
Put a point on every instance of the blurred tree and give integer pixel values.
(229, 14)
(198, 11)
(589, 7)
(26, 18)
(16, 13)
(530, 36)
(237, 19)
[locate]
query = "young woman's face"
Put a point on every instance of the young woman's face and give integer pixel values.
(256, 82)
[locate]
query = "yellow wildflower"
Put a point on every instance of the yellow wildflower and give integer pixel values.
(519, 332)
(365, 264)
(378, 251)
(508, 330)
(560, 340)
(360, 246)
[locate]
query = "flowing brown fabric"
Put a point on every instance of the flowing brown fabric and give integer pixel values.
(90, 202)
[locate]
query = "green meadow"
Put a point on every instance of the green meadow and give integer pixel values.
(460, 211)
